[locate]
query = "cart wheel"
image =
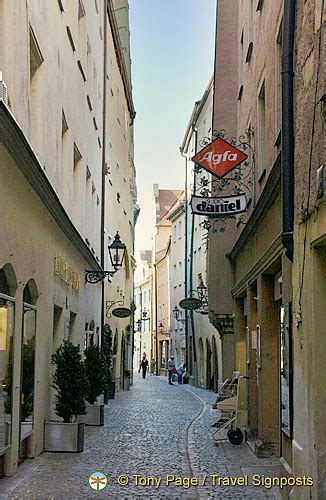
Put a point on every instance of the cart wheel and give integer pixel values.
(235, 436)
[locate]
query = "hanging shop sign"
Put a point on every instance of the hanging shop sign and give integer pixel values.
(221, 206)
(219, 157)
(121, 312)
(190, 303)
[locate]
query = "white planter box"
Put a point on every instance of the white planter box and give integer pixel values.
(94, 415)
(63, 437)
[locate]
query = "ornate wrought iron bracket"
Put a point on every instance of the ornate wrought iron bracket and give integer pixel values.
(109, 304)
(240, 180)
(97, 276)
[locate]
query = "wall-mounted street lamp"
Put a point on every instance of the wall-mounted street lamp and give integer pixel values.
(178, 315)
(161, 327)
(138, 325)
(117, 252)
(202, 290)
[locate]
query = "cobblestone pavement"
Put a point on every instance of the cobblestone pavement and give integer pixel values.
(152, 430)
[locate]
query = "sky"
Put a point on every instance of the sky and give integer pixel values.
(172, 57)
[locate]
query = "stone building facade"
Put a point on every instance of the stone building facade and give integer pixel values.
(53, 160)
(272, 262)
(204, 361)
(143, 302)
(309, 266)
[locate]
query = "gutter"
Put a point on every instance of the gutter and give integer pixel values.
(287, 126)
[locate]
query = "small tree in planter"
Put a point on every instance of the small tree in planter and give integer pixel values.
(97, 376)
(70, 381)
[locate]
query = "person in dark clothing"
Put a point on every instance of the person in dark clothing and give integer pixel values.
(144, 366)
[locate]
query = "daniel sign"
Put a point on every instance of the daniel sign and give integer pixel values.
(219, 157)
(219, 206)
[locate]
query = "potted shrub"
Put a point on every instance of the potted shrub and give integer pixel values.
(70, 381)
(97, 375)
(107, 350)
(126, 379)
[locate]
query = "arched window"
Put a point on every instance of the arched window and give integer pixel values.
(8, 286)
(30, 295)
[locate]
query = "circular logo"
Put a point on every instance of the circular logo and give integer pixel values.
(190, 303)
(98, 481)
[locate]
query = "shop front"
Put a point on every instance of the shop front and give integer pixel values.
(43, 296)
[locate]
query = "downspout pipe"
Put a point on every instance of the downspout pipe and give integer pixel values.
(186, 251)
(103, 163)
(287, 126)
(195, 131)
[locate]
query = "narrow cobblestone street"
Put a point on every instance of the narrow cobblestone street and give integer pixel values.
(152, 430)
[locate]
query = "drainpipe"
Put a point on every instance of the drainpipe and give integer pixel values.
(105, 36)
(287, 126)
(156, 322)
(194, 129)
(186, 251)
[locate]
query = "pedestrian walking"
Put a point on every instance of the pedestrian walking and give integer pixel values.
(180, 372)
(171, 369)
(144, 366)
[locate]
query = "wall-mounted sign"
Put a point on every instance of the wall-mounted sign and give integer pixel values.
(218, 206)
(66, 273)
(219, 157)
(121, 312)
(190, 303)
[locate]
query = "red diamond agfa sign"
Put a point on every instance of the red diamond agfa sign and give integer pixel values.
(219, 157)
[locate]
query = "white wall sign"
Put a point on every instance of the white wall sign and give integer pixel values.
(218, 206)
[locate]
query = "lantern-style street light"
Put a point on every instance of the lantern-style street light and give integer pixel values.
(177, 315)
(117, 252)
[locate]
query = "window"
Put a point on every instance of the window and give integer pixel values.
(82, 39)
(7, 316)
(36, 58)
(261, 132)
(174, 233)
(180, 229)
(175, 281)
(286, 372)
(180, 273)
(65, 154)
(36, 94)
(241, 67)
(250, 30)
(77, 156)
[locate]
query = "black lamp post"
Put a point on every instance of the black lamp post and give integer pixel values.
(117, 252)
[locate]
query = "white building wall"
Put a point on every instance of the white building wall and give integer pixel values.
(204, 331)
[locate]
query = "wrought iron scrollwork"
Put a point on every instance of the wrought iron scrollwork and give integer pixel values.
(238, 181)
(97, 276)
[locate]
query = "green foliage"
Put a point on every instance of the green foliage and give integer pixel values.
(28, 356)
(96, 372)
(107, 352)
(70, 381)
(8, 381)
(28, 361)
